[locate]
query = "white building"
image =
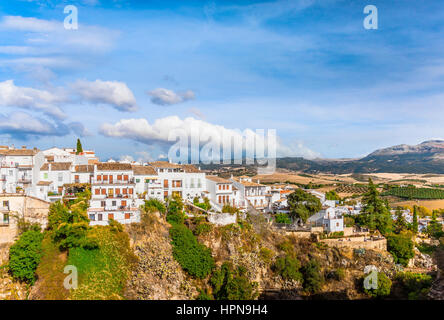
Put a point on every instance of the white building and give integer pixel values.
(185, 180)
(220, 192)
(148, 184)
(251, 193)
(20, 169)
(113, 194)
(329, 218)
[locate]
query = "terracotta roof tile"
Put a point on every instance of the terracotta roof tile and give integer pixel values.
(113, 166)
(144, 170)
(56, 166)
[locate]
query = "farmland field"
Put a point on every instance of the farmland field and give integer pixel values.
(415, 193)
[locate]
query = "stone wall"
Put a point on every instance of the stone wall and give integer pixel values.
(32, 209)
(357, 243)
(222, 219)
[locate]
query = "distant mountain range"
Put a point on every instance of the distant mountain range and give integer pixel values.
(426, 157)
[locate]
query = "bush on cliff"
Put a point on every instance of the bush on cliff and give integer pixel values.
(25, 255)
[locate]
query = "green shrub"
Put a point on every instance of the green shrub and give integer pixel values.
(175, 218)
(313, 278)
(203, 228)
(416, 285)
(70, 225)
(288, 268)
(25, 255)
(194, 257)
(401, 248)
(232, 284)
(426, 248)
(266, 255)
(154, 205)
(384, 287)
(203, 295)
(282, 218)
(339, 274)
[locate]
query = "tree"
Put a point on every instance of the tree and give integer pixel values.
(401, 248)
(415, 221)
(434, 228)
(313, 278)
(303, 205)
(332, 195)
(282, 218)
(232, 284)
(25, 255)
(79, 147)
(400, 222)
(375, 212)
(288, 268)
(384, 287)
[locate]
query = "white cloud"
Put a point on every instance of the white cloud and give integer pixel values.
(163, 131)
(114, 93)
(165, 97)
(30, 98)
(30, 24)
(21, 124)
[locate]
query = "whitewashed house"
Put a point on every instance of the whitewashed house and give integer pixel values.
(220, 192)
(328, 218)
(20, 169)
(251, 193)
(185, 180)
(113, 194)
(148, 184)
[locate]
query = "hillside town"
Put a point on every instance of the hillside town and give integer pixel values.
(32, 179)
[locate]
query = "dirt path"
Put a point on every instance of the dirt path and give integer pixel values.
(437, 290)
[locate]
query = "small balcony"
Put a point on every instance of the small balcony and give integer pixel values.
(129, 181)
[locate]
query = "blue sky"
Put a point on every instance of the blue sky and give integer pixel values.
(136, 69)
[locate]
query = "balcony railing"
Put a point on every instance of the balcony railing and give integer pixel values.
(24, 180)
(129, 181)
(116, 208)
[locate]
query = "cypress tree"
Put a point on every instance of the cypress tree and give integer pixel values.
(79, 147)
(415, 220)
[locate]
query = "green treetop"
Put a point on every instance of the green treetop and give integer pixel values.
(303, 204)
(79, 147)
(375, 211)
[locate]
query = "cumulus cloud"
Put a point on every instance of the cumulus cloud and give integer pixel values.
(114, 93)
(165, 131)
(22, 125)
(165, 97)
(30, 24)
(30, 98)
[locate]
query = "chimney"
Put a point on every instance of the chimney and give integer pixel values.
(23, 147)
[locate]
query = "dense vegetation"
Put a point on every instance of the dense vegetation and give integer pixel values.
(375, 213)
(303, 205)
(230, 283)
(384, 286)
(195, 258)
(25, 255)
(416, 285)
(282, 218)
(401, 248)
